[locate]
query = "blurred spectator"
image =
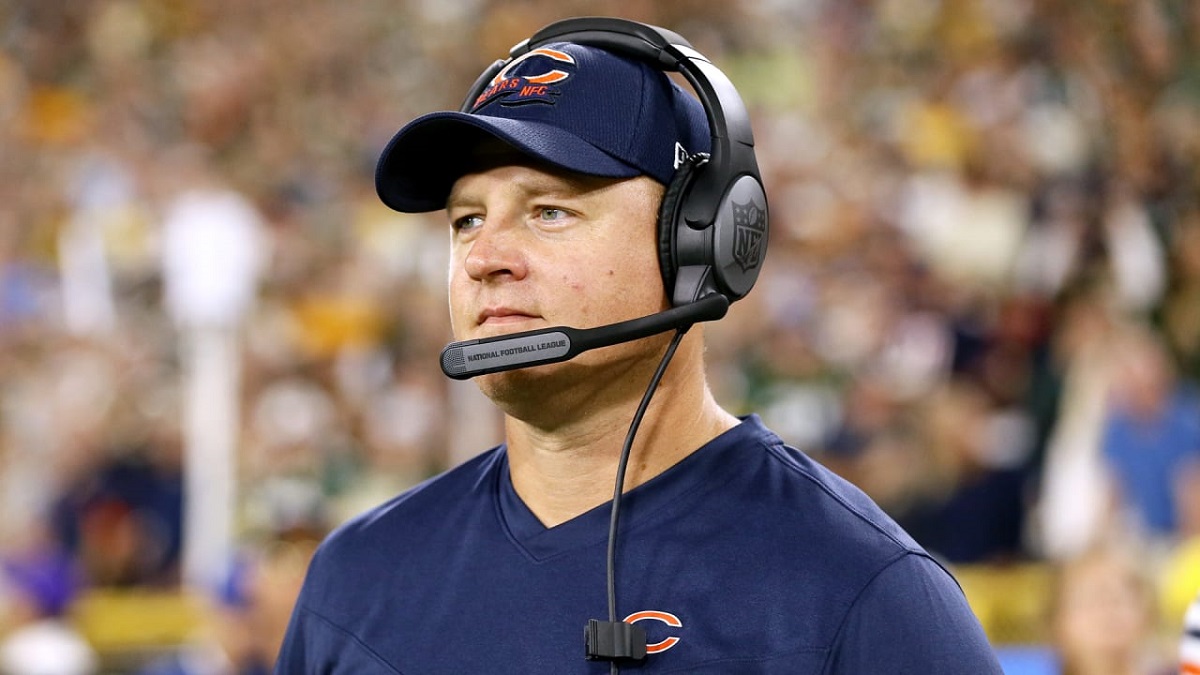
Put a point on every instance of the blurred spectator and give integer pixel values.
(1074, 506)
(1102, 618)
(968, 506)
(1151, 439)
(121, 517)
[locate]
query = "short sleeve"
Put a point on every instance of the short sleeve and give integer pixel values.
(912, 618)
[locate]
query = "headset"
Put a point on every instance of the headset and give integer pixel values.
(712, 239)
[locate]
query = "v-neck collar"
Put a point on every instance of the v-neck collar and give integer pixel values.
(673, 488)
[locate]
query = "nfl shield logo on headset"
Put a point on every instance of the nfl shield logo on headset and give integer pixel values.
(751, 224)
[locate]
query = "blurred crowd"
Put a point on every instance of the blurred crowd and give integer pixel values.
(981, 301)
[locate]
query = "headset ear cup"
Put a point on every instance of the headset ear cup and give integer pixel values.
(668, 216)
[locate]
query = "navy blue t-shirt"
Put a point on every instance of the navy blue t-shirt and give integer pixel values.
(746, 557)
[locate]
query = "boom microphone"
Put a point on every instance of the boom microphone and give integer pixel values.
(463, 360)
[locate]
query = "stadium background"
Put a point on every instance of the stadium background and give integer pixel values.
(981, 209)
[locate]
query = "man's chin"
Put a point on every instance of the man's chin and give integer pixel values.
(519, 379)
(557, 388)
(533, 391)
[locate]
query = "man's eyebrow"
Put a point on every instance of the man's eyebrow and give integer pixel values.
(459, 197)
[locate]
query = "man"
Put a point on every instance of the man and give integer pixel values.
(737, 554)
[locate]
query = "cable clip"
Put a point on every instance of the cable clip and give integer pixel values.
(614, 641)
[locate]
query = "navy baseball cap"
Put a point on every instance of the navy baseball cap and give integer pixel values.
(574, 106)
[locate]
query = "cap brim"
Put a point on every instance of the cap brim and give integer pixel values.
(424, 159)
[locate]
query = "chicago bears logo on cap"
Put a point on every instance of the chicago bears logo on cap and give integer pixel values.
(512, 89)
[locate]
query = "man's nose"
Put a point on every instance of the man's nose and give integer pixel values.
(496, 252)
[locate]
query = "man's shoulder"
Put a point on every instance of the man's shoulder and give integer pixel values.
(425, 506)
(826, 508)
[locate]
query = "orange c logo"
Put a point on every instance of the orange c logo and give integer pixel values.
(545, 78)
(665, 617)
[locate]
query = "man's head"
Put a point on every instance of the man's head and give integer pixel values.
(552, 177)
(555, 173)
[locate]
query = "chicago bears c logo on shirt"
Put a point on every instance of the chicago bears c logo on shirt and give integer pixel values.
(665, 617)
(519, 89)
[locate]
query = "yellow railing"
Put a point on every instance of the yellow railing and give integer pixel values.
(1010, 600)
(132, 621)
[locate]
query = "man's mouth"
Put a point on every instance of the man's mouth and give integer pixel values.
(503, 316)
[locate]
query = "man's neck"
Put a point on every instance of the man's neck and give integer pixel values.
(564, 471)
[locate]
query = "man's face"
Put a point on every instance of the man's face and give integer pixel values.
(534, 247)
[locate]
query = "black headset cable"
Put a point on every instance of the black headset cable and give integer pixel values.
(623, 650)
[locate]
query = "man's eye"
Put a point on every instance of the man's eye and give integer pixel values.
(467, 223)
(550, 213)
